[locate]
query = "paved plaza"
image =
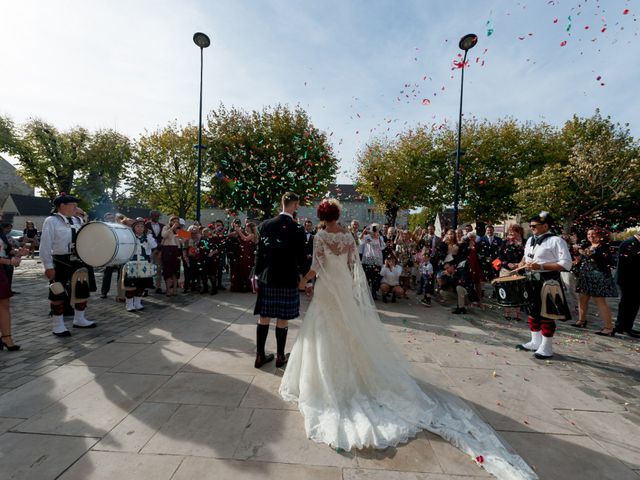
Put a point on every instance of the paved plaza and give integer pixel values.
(171, 393)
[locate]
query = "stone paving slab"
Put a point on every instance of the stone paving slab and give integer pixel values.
(172, 393)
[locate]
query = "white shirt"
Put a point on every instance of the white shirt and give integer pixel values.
(391, 276)
(55, 238)
(553, 250)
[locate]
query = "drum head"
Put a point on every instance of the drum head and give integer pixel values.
(96, 244)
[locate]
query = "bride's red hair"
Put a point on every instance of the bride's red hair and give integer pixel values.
(328, 210)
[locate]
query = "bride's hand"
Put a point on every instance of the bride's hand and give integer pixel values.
(308, 290)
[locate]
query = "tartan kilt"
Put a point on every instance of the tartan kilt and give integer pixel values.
(277, 302)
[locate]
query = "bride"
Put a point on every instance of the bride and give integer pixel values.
(352, 383)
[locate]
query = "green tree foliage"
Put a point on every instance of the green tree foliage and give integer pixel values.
(402, 174)
(253, 158)
(107, 157)
(164, 173)
(76, 161)
(595, 181)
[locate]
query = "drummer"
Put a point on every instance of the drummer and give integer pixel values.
(545, 256)
(57, 252)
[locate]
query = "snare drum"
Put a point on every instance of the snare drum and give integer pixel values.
(511, 291)
(101, 244)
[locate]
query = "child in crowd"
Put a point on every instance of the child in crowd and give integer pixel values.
(139, 271)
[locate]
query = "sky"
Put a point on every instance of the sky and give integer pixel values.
(361, 68)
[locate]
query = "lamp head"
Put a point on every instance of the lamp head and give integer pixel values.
(201, 40)
(468, 41)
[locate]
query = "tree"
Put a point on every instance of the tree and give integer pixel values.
(253, 158)
(164, 173)
(107, 158)
(48, 159)
(88, 165)
(400, 175)
(597, 180)
(495, 154)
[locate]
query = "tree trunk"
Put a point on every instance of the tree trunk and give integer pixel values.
(391, 212)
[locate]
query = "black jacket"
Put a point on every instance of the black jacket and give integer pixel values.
(280, 254)
(628, 263)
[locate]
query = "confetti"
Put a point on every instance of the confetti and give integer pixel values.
(426, 101)
(563, 43)
(625, 11)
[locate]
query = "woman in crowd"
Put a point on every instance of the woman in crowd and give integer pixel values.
(171, 255)
(469, 252)
(192, 259)
(390, 282)
(6, 259)
(372, 258)
(449, 246)
(510, 254)
(246, 251)
(595, 280)
(30, 238)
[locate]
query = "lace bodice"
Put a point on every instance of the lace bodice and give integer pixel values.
(337, 244)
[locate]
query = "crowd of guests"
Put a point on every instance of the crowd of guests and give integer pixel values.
(453, 268)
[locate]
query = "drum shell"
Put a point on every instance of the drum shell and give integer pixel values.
(101, 244)
(512, 293)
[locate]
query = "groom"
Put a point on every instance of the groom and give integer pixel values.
(279, 257)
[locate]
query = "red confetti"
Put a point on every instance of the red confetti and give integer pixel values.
(604, 29)
(555, 20)
(598, 77)
(480, 459)
(625, 11)
(563, 43)
(426, 101)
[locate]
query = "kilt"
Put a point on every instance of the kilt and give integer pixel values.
(5, 287)
(277, 302)
(65, 268)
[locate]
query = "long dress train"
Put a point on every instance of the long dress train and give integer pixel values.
(352, 383)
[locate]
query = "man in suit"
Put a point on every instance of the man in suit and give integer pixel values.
(280, 256)
(493, 244)
(308, 246)
(154, 227)
(627, 279)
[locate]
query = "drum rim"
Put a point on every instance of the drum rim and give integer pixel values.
(509, 278)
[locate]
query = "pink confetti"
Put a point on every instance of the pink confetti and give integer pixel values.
(426, 101)
(598, 77)
(563, 43)
(625, 11)
(555, 20)
(480, 459)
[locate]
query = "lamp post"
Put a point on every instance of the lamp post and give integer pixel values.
(202, 41)
(466, 43)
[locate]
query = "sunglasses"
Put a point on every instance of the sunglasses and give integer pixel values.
(534, 225)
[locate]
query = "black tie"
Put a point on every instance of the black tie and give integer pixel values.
(70, 220)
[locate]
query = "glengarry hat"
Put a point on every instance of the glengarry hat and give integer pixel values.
(64, 198)
(542, 217)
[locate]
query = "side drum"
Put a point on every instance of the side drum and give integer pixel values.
(102, 244)
(511, 291)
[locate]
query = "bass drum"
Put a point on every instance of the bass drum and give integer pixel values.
(102, 244)
(511, 291)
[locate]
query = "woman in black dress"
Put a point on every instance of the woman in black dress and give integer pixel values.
(595, 280)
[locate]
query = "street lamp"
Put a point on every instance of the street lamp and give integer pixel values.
(202, 41)
(466, 43)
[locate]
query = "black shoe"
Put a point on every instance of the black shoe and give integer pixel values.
(66, 333)
(145, 293)
(159, 291)
(12, 348)
(579, 325)
(220, 287)
(602, 333)
(14, 293)
(458, 311)
(384, 297)
(632, 333)
(393, 298)
(281, 361)
(93, 325)
(263, 359)
(103, 295)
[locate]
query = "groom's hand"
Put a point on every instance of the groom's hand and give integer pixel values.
(308, 290)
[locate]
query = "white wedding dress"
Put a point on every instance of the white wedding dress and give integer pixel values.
(352, 383)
